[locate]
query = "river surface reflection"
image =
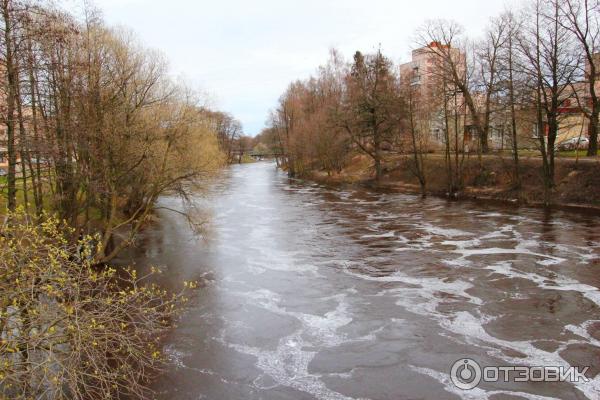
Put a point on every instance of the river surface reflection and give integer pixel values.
(336, 293)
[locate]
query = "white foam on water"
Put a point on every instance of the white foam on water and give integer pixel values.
(585, 254)
(345, 195)
(343, 375)
(389, 234)
(176, 357)
(471, 328)
(439, 231)
(592, 389)
(556, 282)
(490, 215)
(495, 235)
(374, 227)
(401, 239)
(423, 299)
(457, 262)
(461, 247)
(426, 294)
(475, 393)
(421, 243)
(288, 364)
(383, 215)
(546, 259)
(582, 330)
(462, 244)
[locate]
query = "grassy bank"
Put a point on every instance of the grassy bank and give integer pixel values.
(577, 181)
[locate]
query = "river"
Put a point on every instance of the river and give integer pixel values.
(346, 293)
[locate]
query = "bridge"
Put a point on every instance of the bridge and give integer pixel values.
(259, 155)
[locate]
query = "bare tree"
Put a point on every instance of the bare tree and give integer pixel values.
(580, 17)
(443, 40)
(552, 65)
(418, 117)
(100, 128)
(228, 130)
(488, 71)
(284, 120)
(509, 63)
(8, 11)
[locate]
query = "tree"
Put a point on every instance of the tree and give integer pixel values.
(580, 17)
(371, 106)
(508, 72)
(101, 129)
(284, 120)
(243, 147)
(8, 11)
(305, 128)
(228, 130)
(442, 39)
(489, 59)
(270, 143)
(418, 115)
(552, 65)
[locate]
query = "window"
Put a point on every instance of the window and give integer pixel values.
(416, 76)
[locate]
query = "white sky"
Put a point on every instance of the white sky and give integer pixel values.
(244, 53)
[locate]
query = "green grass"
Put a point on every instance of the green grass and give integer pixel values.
(573, 153)
(20, 195)
(536, 153)
(94, 213)
(525, 153)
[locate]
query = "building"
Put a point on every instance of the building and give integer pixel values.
(427, 73)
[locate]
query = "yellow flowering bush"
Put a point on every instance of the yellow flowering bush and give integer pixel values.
(71, 329)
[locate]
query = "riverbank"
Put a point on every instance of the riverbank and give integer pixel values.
(577, 180)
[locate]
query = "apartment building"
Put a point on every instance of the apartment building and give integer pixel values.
(425, 74)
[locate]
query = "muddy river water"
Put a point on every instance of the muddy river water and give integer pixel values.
(337, 293)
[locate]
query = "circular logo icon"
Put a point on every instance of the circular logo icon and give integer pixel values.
(465, 374)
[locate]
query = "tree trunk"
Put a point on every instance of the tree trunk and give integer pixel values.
(377, 158)
(11, 80)
(513, 115)
(417, 151)
(593, 129)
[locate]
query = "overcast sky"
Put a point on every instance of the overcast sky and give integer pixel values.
(244, 53)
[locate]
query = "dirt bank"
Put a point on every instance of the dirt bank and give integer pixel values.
(577, 181)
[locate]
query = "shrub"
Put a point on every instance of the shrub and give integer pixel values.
(70, 329)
